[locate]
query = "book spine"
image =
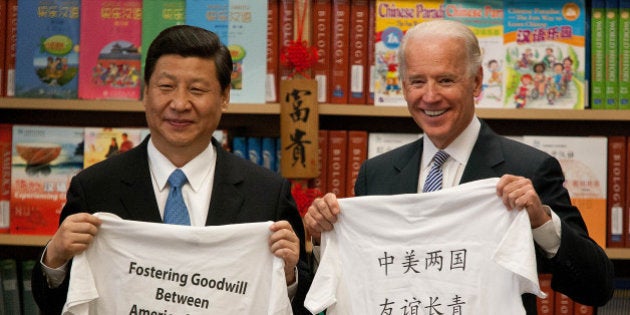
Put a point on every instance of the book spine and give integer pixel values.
(10, 286)
(563, 304)
(254, 150)
(286, 18)
(5, 176)
(337, 157)
(616, 191)
(11, 47)
(581, 309)
(358, 55)
(545, 306)
(624, 54)
(320, 181)
(271, 87)
(611, 25)
(26, 293)
(239, 147)
(371, 52)
(357, 153)
(339, 78)
(598, 57)
(320, 37)
(268, 147)
(3, 46)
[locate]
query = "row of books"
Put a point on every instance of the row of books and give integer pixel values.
(557, 303)
(535, 53)
(16, 296)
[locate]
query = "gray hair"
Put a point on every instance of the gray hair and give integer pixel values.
(443, 28)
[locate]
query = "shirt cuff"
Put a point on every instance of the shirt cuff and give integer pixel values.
(54, 276)
(547, 236)
(292, 288)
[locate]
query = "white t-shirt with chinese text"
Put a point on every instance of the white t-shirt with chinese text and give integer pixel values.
(135, 267)
(454, 251)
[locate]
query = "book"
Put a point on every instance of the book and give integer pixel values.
(340, 50)
(563, 305)
(597, 57)
(611, 54)
(6, 131)
(337, 159)
(583, 161)
(381, 142)
(268, 148)
(624, 54)
(581, 309)
(110, 62)
(239, 146)
(393, 19)
(320, 182)
(3, 48)
(11, 48)
(356, 155)
(10, 286)
(545, 38)
(47, 59)
(358, 52)
(286, 20)
(273, 54)
(254, 150)
(545, 306)
(616, 190)
(102, 143)
(625, 215)
(29, 307)
(44, 160)
(485, 19)
(157, 16)
(242, 27)
(321, 38)
(370, 43)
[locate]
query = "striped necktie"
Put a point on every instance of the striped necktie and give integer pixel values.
(434, 178)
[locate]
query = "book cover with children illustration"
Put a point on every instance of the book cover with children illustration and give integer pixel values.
(544, 54)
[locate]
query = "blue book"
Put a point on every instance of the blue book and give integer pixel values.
(242, 27)
(47, 58)
(269, 153)
(254, 150)
(239, 147)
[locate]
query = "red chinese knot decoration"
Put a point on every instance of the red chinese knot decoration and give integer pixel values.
(299, 56)
(304, 197)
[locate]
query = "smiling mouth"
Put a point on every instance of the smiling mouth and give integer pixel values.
(434, 113)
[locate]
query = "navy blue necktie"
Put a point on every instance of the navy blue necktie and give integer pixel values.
(175, 211)
(434, 178)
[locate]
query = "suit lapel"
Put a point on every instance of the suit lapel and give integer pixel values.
(407, 165)
(486, 155)
(226, 198)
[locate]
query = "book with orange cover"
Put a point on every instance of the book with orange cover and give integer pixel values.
(616, 200)
(337, 159)
(358, 56)
(320, 181)
(5, 176)
(8, 82)
(339, 76)
(286, 18)
(273, 55)
(357, 153)
(563, 304)
(369, 82)
(545, 306)
(320, 38)
(581, 309)
(3, 36)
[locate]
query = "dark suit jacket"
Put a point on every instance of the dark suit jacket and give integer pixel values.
(581, 269)
(242, 192)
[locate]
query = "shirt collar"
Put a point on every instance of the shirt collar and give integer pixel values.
(459, 150)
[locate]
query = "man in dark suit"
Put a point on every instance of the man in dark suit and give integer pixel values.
(441, 73)
(187, 88)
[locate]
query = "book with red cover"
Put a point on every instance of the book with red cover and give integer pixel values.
(545, 306)
(5, 176)
(273, 55)
(339, 77)
(616, 200)
(357, 153)
(581, 309)
(320, 181)
(286, 18)
(563, 304)
(358, 56)
(337, 159)
(320, 38)
(8, 82)
(110, 61)
(3, 36)
(369, 82)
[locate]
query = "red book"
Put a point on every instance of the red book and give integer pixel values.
(8, 82)
(320, 181)
(273, 55)
(3, 36)
(5, 176)
(545, 306)
(369, 86)
(616, 190)
(358, 56)
(337, 159)
(339, 77)
(286, 28)
(563, 304)
(320, 37)
(357, 153)
(581, 309)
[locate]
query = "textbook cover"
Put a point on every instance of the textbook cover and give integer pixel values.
(47, 59)
(544, 54)
(110, 49)
(485, 19)
(157, 16)
(102, 143)
(44, 159)
(393, 19)
(242, 27)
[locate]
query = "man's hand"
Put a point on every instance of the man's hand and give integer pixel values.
(73, 236)
(321, 215)
(285, 244)
(518, 193)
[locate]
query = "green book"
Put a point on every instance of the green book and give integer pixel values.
(624, 54)
(158, 15)
(598, 60)
(28, 301)
(10, 286)
(611, 25)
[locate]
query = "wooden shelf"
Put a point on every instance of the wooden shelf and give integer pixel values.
(24, 240)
